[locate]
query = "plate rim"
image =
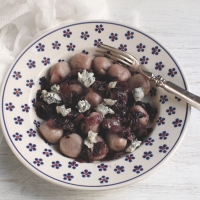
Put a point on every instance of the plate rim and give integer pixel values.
(100, 187)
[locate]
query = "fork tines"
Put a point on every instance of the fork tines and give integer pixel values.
(117, 55)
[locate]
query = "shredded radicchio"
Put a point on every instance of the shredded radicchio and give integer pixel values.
(45, 85)
(44, 111)
(126, 122)
(89, 122)
(110, 122)
(120, 106)
(88, 154)
(62, 122)
(151, 111)
(99, 87)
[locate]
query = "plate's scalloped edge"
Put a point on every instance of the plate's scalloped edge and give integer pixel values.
(99, 187)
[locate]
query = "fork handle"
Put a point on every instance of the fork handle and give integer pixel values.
(188, 97)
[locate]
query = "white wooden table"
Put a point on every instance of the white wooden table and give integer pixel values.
(177, 25)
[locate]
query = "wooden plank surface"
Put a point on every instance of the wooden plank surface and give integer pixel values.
(176, 24)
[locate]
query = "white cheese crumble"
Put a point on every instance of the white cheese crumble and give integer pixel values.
(109, 102)
(133, 146)
(83, 106)
(63, 111)
(101, 108)
(51, 97)
(138, 93)
(86, 78)
(112, 84)
(91, 139)
(55, 88)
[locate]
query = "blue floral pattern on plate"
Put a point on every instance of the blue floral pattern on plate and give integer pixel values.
(18, 137)
(17, 75)
(99, 28)
(129, 35)
(9, 106)
(18, 117)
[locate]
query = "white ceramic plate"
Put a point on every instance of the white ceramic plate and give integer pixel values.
(19, 121)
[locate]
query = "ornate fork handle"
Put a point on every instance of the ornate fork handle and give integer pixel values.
(174, 89)
(127, 60)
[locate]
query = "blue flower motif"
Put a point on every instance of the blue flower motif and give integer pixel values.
(47, 152)
(129, 158)
(68, 176)
(113, 36)
(104, 179)
(119, 169)
(163, 135)
(46, 61)
(33, 102)
(29, 83)
(40, 47)
(177, 98)
(18, 137)
(153, 92)
(56, 164)
(97, 42)
(149, 141)
(67, 33)
(138, 169)
(72, 165)
(163, 149)
(85, 52)
(172, 72)
(159, 66)
(123, 47)
(99, 28)
(163, 99)
(144, 60)
(155, 50)
(147, 155)
(18, 120)
(31, 147)
(31, 64)
(37, 123)
(38, 161)
(17, 75)
(160, 121)
(102, 167)
(61, 60)
(85, 35)
(17, 92)
(177, 122)
(9, 106)
(25, 108)
(71, 47)
(31, 132)
(129, 35)
(140, 47)
(171, 110)
(86, 173)
(56, 45)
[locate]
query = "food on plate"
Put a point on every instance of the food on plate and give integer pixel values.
(51, 134)
(59, 72)
(119, 72)
(71, 145)
(94, 108)
(139, 80)
(101, 65)
(81, 61)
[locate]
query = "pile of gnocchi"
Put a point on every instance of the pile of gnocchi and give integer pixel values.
(93, 108)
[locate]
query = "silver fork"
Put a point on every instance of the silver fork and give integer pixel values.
(132, 63)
